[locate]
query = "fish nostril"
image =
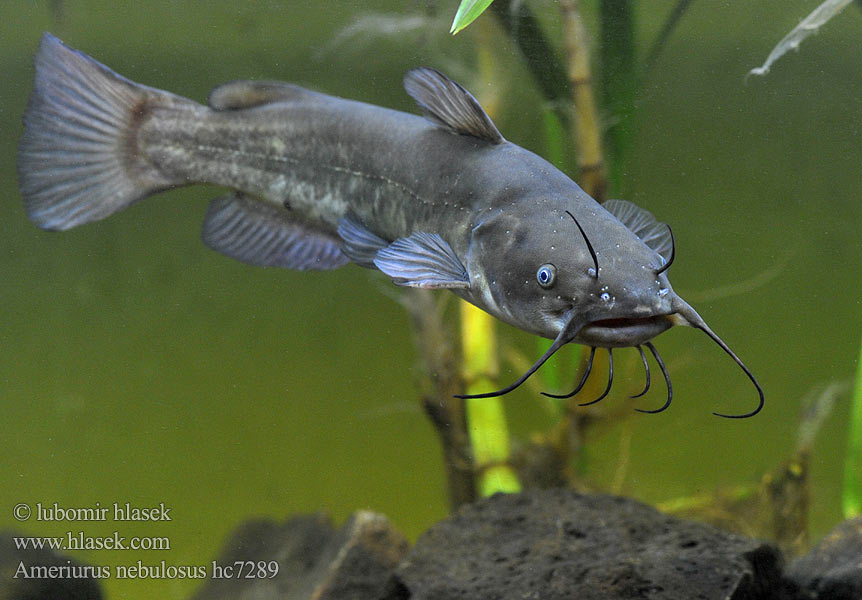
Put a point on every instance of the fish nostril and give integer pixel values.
(663, 292)
(606, 297)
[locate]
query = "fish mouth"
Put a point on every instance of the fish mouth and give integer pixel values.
(624, 331)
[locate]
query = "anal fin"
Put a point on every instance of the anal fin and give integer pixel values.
(258, 234)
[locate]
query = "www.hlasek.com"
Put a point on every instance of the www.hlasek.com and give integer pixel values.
(78, 540)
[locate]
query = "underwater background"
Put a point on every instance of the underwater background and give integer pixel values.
(138, 366)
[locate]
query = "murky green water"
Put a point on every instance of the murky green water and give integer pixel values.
(138, 366)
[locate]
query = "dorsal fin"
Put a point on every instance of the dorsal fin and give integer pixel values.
(643, 224)
(448, 104)
(248, 94)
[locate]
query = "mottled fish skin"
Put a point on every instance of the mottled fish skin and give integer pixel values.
(323, 156)
(440, 200)
(320, 157)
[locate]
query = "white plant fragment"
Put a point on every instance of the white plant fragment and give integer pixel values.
(810, 24)
(370, 27)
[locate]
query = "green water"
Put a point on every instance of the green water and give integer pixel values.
(138, 366)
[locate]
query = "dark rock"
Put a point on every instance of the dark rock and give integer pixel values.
(315, 561)
(833, 569)
(559, 544)
(44, 575)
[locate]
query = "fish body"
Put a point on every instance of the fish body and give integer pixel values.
(440, 200)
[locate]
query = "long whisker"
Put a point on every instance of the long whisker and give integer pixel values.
(580, 383)
(737, 360)
(610, 379)
(695, 320)
(646, 370)
(667, 265)
(589, 245)
(664, 372)
(563, 338)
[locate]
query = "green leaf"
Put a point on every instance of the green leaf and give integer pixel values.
(467, 13)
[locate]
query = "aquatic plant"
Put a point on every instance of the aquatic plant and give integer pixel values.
(468, 11)
(809, 25)
(565, 83)
(852, 491)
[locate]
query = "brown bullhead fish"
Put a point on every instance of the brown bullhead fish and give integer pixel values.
(434, 201)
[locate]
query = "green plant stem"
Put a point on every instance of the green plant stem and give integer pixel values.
(442, 380)
(489, 434)
(486, 418)
(852, 495)
(619, 82)
(542, 60)
(670, 24)
(586, 130)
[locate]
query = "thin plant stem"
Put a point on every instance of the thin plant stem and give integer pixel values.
(618, 83)
(586, 130)
(434, 342)
(486, 418)
(852, 493)
(670, 24)
(542, 60)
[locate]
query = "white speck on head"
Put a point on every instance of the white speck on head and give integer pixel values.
(278, 146)
(278, 186)
(591, 272)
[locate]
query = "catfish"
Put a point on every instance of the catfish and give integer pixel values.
(434, 201)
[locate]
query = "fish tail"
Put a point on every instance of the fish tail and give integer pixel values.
(78, 158)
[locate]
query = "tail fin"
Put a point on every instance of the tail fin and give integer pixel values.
(78, 159)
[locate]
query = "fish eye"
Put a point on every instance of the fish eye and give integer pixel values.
(546, 275)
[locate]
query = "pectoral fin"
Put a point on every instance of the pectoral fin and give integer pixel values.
(422, 260)
(258, 234)
(448, 104)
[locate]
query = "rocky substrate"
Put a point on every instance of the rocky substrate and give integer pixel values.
(546, 545)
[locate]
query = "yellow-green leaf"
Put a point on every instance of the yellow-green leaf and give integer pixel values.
(467, 13)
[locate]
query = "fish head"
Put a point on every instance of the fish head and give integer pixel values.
(590, 278)
(537, 272)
